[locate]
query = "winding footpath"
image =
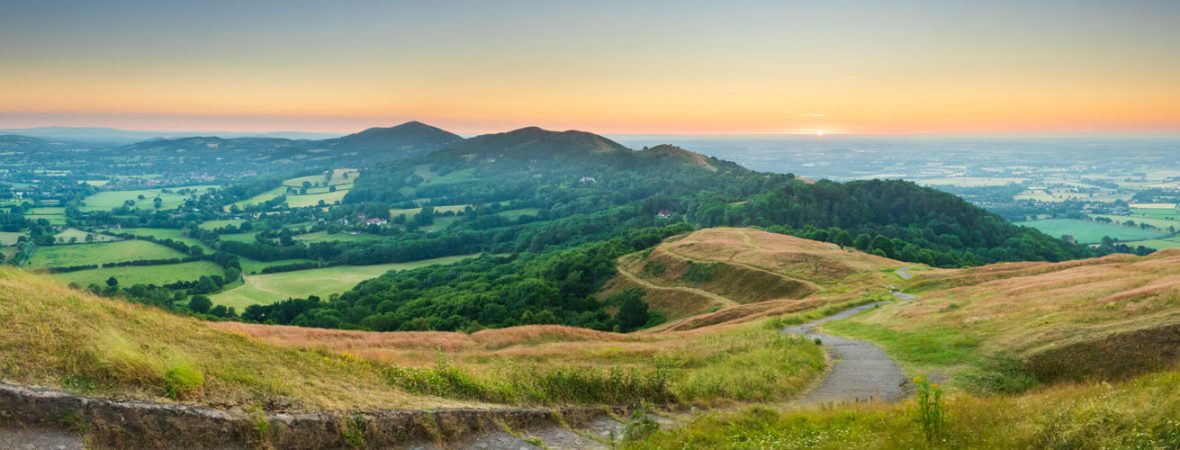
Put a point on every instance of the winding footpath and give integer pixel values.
(861, 371)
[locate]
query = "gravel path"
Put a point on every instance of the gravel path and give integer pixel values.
(861, 371)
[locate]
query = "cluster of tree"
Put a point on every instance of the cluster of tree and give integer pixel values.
(554, 287)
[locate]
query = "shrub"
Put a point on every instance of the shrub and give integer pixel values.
(182, 381)
(930, 409)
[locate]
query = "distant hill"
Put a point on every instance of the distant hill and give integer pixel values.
(532, 143)
(114, 136)
(12, 142)
(408, 139)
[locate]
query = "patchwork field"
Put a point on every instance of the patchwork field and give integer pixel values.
(132, 275)
(99, 253)
(1088, 232)
(324, 236)
(314, 196)
(270, 288)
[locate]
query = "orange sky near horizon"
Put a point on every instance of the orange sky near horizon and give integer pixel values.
(699, 68)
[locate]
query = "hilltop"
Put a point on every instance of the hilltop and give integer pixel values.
(401, 141)
(722, 274)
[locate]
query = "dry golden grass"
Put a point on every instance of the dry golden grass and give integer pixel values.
(751, 274)
(58, 337)
(1025, 309)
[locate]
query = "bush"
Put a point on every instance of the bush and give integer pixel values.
(182, 381)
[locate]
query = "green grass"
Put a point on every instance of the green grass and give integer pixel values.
(99, 253)
(108, 200)
(1160, 223)
(458, 176)
(929, 347)
(238, 237)
(215, 224)
(303, 201)
(1088, 232)
(411, 212)
(52, 218)
(250, 266)
(1158, 244)
(131, 275)
(324, 236)
(164, 233)
(79, 236)
(336, 180)
(270, 288)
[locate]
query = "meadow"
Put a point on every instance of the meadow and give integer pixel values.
(1088, 232)
(108, 200)
(79, 236)
(10, 237)
(215, 224)
(99, 253)
(132, 275)
(314, 195)
(164, 233)
(269, 288)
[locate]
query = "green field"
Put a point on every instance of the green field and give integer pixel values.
(303, 201)
(1160, 223)
(215, 224)
(238, 237)
(108, 200)
(250, 266)
(1088, 232)
(411, 212)
(54, 215)
(337, 178)
(270, 288)
(132, 275)
(164, 233)
(9, 237)
(458, 176)
(1158, 244)
(79, 236)
(101, 253)
(323, 236)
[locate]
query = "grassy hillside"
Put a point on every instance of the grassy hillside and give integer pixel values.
(731, 273)
(1138, 414)
(58, 337)
(1099, 318)
(71, 340)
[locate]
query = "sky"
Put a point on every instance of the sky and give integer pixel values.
(672, 67)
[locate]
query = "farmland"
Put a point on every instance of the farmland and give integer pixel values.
(269, 288)
(1088, 232)
(99, 253)
(132, 275)
(144, 198)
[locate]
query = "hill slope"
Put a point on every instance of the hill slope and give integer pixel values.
(741, 272)
(401, 141)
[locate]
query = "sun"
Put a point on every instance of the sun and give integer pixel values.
(820, 133)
